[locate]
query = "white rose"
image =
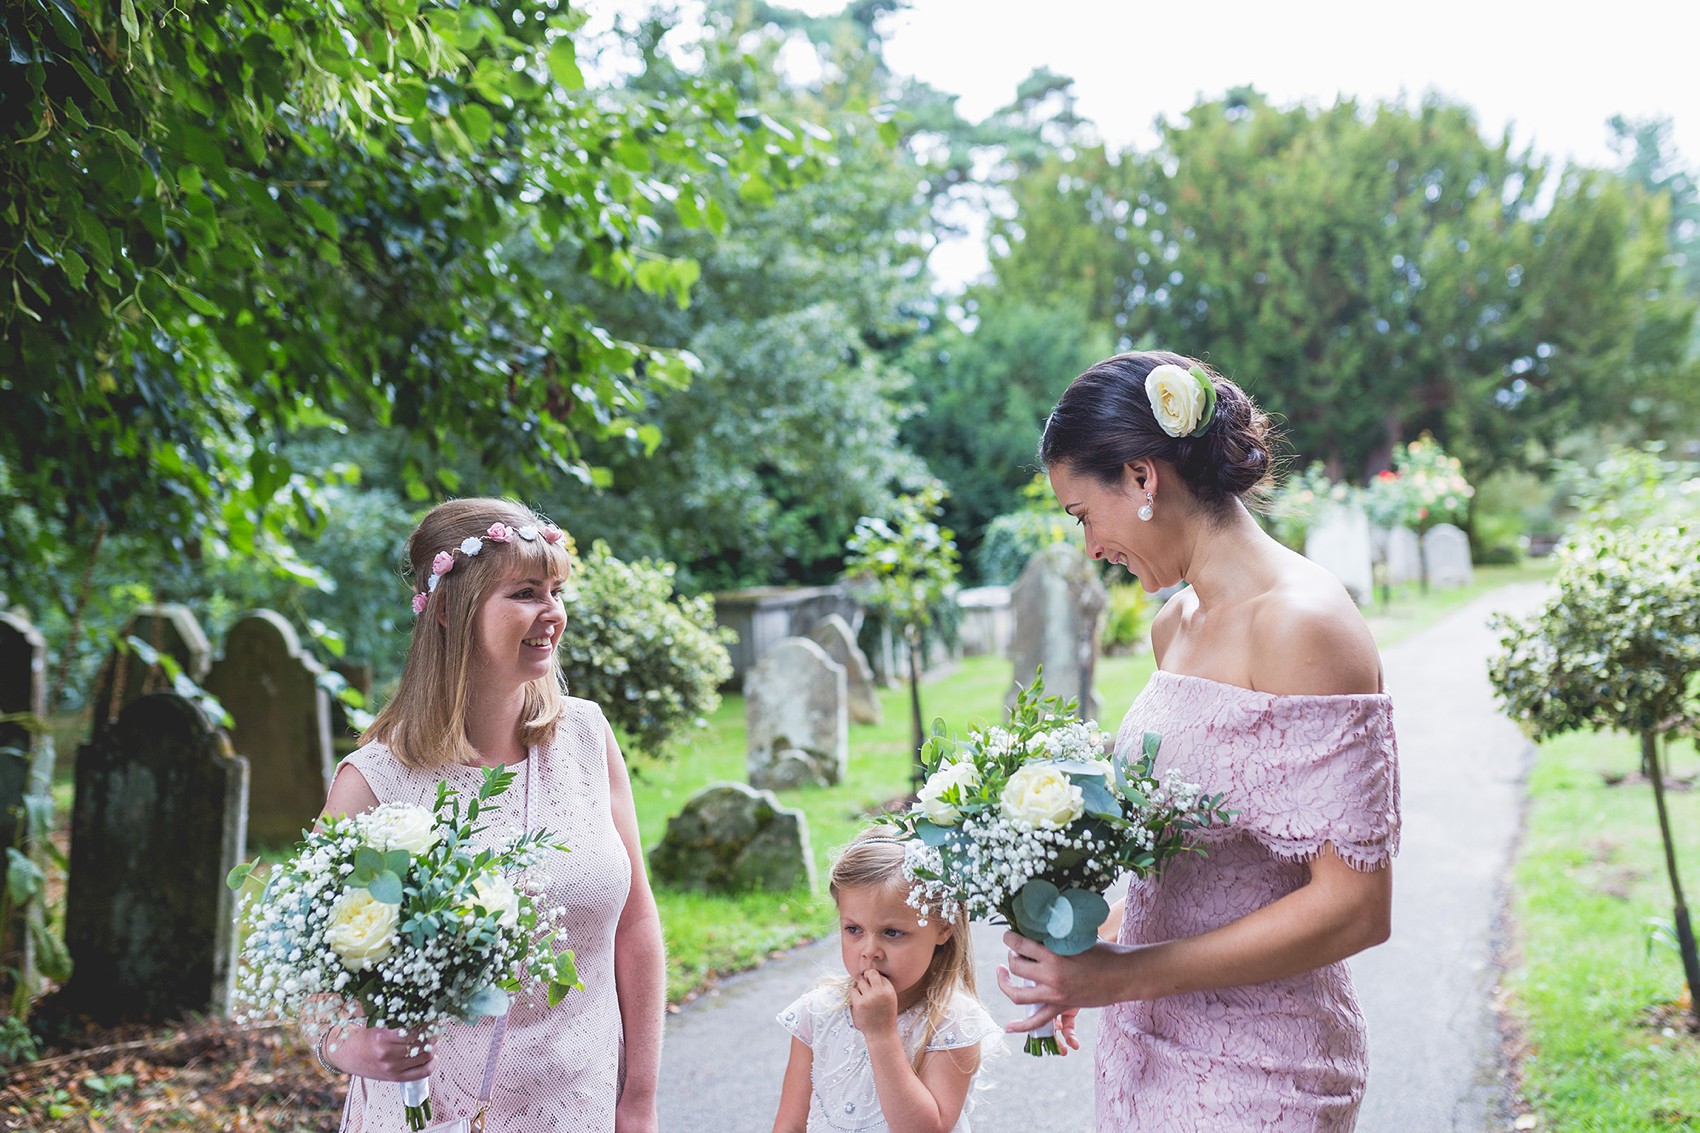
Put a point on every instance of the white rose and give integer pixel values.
(931, 797)
(400, 826)
(496, 895)
(362, 929)
(1177, 400)
(1042, 796)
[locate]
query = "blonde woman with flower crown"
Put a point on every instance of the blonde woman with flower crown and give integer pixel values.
(481, 687)
(1227, 1002)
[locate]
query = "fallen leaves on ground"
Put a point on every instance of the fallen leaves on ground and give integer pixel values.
(209, 1075)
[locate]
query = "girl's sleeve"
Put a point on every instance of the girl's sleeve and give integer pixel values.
(799, 1019)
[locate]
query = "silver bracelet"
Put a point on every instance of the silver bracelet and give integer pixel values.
(319, 1052)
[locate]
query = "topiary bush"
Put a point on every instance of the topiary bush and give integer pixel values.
(652, 659)
(1617, 647)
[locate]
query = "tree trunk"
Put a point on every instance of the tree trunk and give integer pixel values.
(917, 775)
(1684, 927)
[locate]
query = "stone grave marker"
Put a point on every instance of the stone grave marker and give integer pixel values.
(797, 717)
(161, 804)
(1446, 554)
(732, 837)
(832, 633)
(1339, 542)
(1059, 616)
(1404, 556)
(280, 723)
(26, 769)
(171, 630)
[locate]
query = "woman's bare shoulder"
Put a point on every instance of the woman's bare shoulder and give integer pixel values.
(1309, 638)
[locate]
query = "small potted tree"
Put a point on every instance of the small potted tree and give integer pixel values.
(1618, 647)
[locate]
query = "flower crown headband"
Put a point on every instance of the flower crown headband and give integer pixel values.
(1182, 400)
(444, 561)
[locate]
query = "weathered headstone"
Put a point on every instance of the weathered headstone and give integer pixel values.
(988, 621)
(170, 630)
(1059, 616)
(26, 771)
(280, 722)
(161, 803)
(832, 633)
(1404, 556)
(1446, 554)
(1339, 542)
(797, 717)
(732, 837)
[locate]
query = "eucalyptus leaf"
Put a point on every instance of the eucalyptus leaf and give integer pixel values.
(386, 887)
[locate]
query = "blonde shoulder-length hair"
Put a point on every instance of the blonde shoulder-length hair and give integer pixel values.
(424, 724)
(875, 861)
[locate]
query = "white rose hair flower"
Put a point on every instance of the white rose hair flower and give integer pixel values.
(1183, 401)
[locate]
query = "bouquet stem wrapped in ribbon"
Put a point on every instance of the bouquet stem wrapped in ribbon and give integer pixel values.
(1030, 823)
(397, 918)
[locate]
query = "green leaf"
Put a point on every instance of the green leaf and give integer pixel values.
(127, 14)
(1096, 796)
(563, 64)
(397, 862)
(487, 1002)
(238, 877)
(24, 878)
(386, 887)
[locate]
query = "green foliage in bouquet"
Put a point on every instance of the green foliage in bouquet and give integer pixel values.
(1031, 822)
(370, 903)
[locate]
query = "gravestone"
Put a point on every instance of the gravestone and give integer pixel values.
(1059, 615)
(1446, 554)
(732, 837)
(26, 771)
(170, 630)
(797, 717)
(832, 633)
(158, 822)
(1339, 542)
(1404, 556)
(988, 621)
(280, 722)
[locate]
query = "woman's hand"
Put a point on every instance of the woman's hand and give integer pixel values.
(1061, 984)
(635, 1115)
(373, 1052)
(873, 1004)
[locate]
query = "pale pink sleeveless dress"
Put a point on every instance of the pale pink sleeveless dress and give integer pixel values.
(559, 1068)
(1288, 1055)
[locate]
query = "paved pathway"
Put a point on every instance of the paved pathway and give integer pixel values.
(1426, 993)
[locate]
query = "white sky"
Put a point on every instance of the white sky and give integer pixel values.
(1551, 71)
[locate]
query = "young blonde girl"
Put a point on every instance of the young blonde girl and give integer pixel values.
(894, 1045)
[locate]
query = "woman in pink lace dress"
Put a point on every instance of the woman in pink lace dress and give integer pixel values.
(482, 688)
(1228, 1004)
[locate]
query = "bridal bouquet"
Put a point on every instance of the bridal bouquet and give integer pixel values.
(394, 918)
(1030, 822)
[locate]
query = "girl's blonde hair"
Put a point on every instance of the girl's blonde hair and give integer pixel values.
(424, 724)
(874, 861)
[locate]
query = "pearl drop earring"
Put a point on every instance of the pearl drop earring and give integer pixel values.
(1145, 508)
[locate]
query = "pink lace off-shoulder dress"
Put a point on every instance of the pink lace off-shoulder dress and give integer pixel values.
(1288, 1055)
(558, 1070)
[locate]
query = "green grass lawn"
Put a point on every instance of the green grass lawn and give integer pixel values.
(1604, 1049)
